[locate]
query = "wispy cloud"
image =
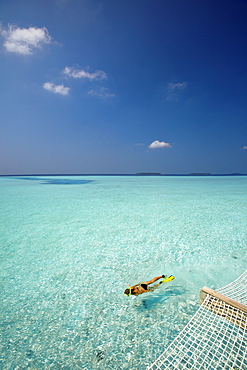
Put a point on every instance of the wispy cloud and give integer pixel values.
(174, 88)
(24, 40)
(244, 148)
(56, 89)
(159, 144)
(81, 73)
(101, 92)
(177, 86)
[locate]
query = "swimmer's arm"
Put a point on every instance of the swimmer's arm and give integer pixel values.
(148, 290)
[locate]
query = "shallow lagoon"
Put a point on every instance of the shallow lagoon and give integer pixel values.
(71, 245)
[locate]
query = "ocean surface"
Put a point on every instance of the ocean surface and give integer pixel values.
(70, 245)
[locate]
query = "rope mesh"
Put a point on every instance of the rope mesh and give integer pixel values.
(215, 338)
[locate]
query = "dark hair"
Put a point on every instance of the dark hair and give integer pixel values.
(127, 291)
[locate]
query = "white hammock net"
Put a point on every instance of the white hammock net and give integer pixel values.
(216, 336)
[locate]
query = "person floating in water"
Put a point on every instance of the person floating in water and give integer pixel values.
(144, 288)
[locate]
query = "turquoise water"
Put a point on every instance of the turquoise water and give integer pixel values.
(71, 245)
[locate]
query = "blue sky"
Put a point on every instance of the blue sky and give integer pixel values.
(110, 86)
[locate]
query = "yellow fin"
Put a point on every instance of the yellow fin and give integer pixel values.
(166, 279)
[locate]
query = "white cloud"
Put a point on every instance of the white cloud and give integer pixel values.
(174, 88)
(56, 89)
(159, 144)
(81, 73)
(177, 86)
(101, 92)
(24, 40)
(244, 148)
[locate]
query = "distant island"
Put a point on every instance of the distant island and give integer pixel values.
(160, 174)
(200, 174)
(188, 174)
(149, 174)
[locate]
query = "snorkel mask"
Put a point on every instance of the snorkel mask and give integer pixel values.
(127, 295)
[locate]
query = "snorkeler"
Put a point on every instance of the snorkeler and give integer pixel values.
(143, 287)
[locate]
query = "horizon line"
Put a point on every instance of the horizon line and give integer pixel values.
(139, 174)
